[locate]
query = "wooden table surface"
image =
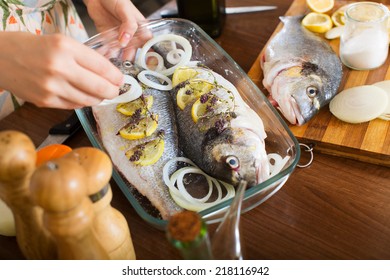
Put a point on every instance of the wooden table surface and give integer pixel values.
(334, 209)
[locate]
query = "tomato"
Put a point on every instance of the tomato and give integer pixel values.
(51, 152)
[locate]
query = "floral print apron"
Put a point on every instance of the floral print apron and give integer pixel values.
(38, 17)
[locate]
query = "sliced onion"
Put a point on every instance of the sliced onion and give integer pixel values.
(167, 37)
(142, 78)
(385, 85)
(278, 163)
(359, 104)
(182, 197)
(160, 61)
(174, 56)
(335, 32)
(179, 179)
(133, 93)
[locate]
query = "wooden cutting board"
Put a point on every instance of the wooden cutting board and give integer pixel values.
(368, 142)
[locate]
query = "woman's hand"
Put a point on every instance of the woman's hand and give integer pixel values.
(55, 71)
(107, 14)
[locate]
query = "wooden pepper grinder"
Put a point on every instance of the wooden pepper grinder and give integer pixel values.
(59, 187)
(109, 225)
(17, 163)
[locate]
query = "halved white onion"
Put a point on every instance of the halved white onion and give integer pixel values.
(142, 78)
(133, 93)
(359, 104)
(385, 85)
(185, 58)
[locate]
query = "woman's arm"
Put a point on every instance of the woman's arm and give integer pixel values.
(55, 71)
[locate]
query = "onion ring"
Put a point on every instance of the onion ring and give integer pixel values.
(181, 196)
(142, 78)
(174, 56)
(133, 93)
(167, 37)
(160, 61)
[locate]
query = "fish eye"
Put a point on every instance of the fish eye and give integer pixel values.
(233, 162)
(127, 63)
(311, 91)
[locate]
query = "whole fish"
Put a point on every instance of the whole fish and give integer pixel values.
(148, 180)
(227, 139)
(301, 71)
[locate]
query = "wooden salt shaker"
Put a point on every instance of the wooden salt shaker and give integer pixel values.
(109, 225)
(59, 187)
(17, 163)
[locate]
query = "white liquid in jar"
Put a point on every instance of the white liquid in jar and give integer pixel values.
(366, 50)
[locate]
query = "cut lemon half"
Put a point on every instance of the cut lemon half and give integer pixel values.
(338, 17)
(147, 154)
(183, 74)
(319, 23)
(143, 128)
(192, 91)
(129, 108)
(320, 6)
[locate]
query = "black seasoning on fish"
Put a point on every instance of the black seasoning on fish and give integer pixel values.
(218, 131)
(301, 71)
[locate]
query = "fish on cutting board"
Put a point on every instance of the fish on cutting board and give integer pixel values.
(301, 71)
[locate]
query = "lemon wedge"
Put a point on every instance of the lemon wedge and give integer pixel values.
(316, 22)
(192, 91)
(320, 6)
(338, 17)
(148, 153)
(129, 108)
(183, 74)
(143, 128)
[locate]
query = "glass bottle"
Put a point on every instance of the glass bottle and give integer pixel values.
(208, 14)
(188, 233)
(364, 44)
(226, 242)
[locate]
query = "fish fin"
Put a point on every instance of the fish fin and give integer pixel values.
(286, 19)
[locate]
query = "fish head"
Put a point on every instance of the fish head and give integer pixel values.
(235, 154)
(299, 93)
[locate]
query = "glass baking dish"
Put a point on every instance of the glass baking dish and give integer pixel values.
(279, 137)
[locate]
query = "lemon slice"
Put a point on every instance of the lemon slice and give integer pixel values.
(129, 108)
(320, 6)
(182, 74)
(198, 110)
(192, 91)
(148, 153)
(316, 22)
(143, 128)
(338, 17)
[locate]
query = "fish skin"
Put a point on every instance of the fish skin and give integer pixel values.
(209, 148)
(294, 61)
(148, 180)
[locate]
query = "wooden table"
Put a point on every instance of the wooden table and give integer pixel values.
(335, 209)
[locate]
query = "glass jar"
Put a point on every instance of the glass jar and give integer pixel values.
(208, 14)
(364, 44)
